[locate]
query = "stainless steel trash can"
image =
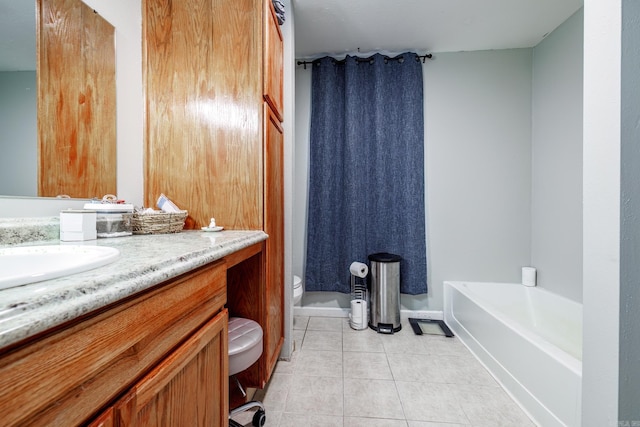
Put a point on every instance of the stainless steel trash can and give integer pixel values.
(385, 293)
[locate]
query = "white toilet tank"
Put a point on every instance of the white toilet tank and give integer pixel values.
(298, 290)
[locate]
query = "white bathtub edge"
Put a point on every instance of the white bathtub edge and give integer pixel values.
(567, 361)
(535, 410)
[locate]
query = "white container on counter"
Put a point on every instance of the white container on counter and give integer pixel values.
(77, 225)
(113, 220)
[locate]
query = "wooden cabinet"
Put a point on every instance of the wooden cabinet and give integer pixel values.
(202, 65)
(210, 144)
(189, 388)
(68, 375)
(274, 183)
(272, 63)
(274, 227)
(104, 420)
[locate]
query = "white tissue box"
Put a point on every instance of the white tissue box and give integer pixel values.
(77, 225)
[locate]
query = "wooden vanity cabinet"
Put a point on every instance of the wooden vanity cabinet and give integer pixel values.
(164, 350)
(188, 388)
(210, 67)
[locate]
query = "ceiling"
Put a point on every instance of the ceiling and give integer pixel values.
(339, 27)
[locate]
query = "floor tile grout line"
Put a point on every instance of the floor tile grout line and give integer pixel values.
(390, 351)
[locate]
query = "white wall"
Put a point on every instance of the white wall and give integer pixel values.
(18, 134)
(629, 384)
(477, 164)
(557, 159)
(601, 213)
(301, 168)
(288, 126)
(126, 17)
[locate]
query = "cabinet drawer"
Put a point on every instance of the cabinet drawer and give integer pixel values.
(69, 375)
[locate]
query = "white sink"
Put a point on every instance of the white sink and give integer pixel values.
(28, 264)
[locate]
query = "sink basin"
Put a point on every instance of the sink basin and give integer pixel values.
(28, 264)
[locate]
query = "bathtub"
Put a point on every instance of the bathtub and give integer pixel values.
(528, 338)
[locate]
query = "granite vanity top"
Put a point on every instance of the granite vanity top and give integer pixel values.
(144, 261)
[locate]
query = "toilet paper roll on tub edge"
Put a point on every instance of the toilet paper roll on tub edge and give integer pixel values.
(359, 269)
(529, 276)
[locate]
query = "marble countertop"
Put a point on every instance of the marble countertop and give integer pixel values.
(144, 261)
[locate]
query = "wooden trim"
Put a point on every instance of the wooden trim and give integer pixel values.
(243, 254)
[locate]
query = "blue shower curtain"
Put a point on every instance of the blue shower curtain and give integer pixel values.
(366, 184)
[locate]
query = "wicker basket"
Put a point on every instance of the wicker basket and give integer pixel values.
(158, 223)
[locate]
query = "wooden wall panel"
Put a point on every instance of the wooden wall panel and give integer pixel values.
(76, 101)
(203, 130)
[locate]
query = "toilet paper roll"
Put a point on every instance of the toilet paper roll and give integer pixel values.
(528, 276)
(359, 269)
(358, 314)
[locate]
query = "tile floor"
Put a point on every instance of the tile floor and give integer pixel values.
(341, 377)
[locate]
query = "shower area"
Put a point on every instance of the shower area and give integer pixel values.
(502, 169)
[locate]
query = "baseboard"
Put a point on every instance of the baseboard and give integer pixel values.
(344, 312)
(422, 314)
(321, 311)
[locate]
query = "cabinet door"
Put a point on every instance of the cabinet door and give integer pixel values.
(203, 90)
(104, 420)
(188, 388)
(273, 57)
(274, 227)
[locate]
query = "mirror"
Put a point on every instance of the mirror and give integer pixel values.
(70, 148)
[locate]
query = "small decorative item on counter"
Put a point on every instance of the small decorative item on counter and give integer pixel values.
(149, 221)
(212, 226)
(109, 198)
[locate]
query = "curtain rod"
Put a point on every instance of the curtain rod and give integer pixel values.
(370, 59)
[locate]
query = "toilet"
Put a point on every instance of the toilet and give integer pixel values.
(298, 290)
